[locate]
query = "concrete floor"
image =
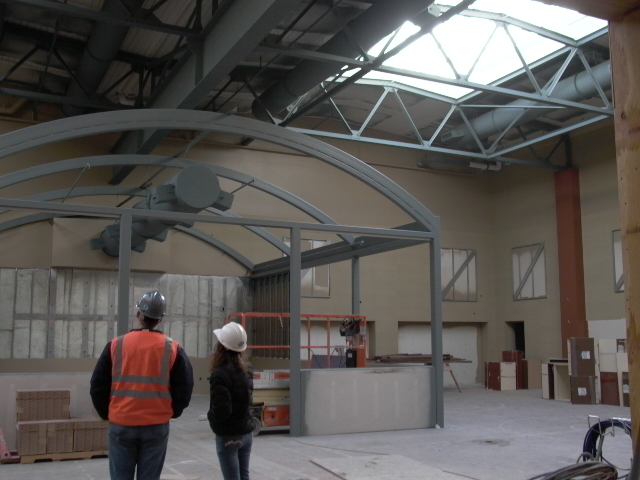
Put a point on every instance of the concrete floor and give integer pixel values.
(488, 436)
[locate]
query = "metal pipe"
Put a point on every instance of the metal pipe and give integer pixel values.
(378, 21)
(578, 87)
(102, 47)
(192, 190)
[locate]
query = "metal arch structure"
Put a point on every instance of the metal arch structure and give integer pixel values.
(107, 122)
(137, 192)
(152, 160)
(427, 225)
(40, 217)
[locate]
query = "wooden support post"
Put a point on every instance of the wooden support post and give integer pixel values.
(624, 38)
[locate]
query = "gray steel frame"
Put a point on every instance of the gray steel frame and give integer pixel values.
(66, 129)
(572, 48)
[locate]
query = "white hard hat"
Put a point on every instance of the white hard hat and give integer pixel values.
(232, 336)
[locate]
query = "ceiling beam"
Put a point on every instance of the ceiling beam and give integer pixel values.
(72, 11)
(212, 58)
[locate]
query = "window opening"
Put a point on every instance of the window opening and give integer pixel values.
(618, 268)
(458, 275)
(529, 272)
(315, 281)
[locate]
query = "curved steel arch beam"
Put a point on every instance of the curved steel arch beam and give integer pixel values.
(154, 160)
(97, 123)
(115, 190)
(39, 217)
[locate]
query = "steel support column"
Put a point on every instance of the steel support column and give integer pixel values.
(436, 328)
(295, 392)
(124, 273)
(355, 286)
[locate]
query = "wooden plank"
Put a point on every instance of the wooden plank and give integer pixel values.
(57, 457)
(624, 38)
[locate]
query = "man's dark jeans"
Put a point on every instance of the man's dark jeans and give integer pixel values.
(141, 447)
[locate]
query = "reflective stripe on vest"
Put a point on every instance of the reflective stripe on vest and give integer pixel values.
(140, 388)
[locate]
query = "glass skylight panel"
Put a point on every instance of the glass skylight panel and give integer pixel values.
(480, 49)
(459, 48)
(561, 20)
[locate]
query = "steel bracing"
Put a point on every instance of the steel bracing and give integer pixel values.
(535, 99)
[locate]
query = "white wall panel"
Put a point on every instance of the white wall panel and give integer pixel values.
(21, 334)
(38, 339)
(460, 341)
(83, 310)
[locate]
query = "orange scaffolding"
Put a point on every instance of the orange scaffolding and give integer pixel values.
(357, 342)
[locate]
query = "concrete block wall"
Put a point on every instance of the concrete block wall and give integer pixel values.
(70, 313)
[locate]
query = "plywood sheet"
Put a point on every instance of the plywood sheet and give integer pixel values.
(383, 467)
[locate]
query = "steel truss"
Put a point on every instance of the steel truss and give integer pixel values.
(494, 152)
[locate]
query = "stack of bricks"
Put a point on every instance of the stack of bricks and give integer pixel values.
(45, 427)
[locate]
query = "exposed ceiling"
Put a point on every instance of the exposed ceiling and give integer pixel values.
(272, 59)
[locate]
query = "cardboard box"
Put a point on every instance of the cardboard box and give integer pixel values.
(582, 358)
(607, 345)
(609, 388)
(508, 369)
(90, 435)
(546, 371)
(625, 389)
(500, 375)
(583, 390)
(32, 405)
(492, 375)
(608, 362)
(60, 436)
(31, 438)
(42, 437)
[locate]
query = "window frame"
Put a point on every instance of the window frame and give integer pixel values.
(523, 279)
(459, 272)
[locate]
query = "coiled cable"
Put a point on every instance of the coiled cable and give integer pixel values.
(583, 471)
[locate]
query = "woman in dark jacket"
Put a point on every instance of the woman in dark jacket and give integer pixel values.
(231, 397)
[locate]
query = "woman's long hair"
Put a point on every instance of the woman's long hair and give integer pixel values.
(222, 356)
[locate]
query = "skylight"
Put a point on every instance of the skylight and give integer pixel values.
(481, 45)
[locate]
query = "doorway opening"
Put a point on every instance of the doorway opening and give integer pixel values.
(517, 336)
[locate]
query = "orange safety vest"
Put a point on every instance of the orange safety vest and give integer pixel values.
(140, 391)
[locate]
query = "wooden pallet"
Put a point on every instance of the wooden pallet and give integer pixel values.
(58, 457)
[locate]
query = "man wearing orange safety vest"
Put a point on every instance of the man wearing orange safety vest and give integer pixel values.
(141, 381)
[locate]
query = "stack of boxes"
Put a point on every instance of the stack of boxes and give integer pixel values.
(512, 373)
(613, 366)
(582, 371)
(597, 370)
(44, 427)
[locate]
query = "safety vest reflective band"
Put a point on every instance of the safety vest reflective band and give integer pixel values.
(140, 388)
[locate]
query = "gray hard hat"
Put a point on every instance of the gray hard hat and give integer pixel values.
(152, 305)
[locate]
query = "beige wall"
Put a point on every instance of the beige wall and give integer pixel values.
(489, 212)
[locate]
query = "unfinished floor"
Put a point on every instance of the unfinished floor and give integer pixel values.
(489, 435)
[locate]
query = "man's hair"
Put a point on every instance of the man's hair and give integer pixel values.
(150, 323)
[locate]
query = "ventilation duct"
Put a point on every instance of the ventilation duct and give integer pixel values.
(371, 26)
(573, 89)
(195, 188)
(102, 47)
